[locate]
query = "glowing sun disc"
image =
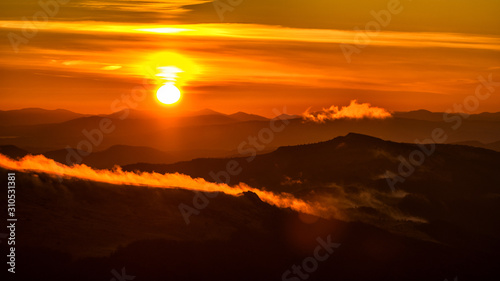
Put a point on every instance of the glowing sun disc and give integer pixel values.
(168, 94)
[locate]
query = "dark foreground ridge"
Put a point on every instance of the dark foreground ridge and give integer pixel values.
(82, 230)
(439, 223)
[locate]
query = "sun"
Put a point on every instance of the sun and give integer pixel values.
(168, 94)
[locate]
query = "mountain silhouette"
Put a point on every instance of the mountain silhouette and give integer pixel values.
(34, 116)
(141, 230)
(221, 132)
(116, 155)
(493, 146)
(13, 151)
(352, 172)
(242, 116)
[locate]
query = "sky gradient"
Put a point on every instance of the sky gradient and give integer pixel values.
(253, 56)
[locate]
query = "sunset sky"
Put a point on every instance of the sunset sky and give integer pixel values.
(253, 56)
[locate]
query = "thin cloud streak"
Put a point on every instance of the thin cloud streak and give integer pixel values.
(39, 163)
(277, 33)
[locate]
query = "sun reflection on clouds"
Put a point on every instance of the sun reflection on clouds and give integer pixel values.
(163, 29)
(169, 73)
(111, 67)
(171, 67)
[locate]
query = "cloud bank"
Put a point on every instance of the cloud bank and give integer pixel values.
(354, 110)
(39, 163)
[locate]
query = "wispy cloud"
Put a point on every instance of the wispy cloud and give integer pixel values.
(354, 110)
(274, 33)
(39, 163)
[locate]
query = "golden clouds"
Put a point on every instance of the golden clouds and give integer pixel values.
(354, 110)
(39, 163)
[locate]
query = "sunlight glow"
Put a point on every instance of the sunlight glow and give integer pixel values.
(163, 29)
(169, 73)
(170, 67)
(168, 94)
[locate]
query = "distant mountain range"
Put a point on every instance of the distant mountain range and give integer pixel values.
(440, 222)
(352, 172)
(493, 146)
(438, 116)
(35, 116)
(214, 134)
(348, 170)
(117, 155)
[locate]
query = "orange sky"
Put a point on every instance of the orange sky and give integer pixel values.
(261, 55)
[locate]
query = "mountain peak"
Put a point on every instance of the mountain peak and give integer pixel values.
(206, 111)
(349, 140)
(243, 116)
(34, 116)
(356, 136)
(285, 116)
(13, 151)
